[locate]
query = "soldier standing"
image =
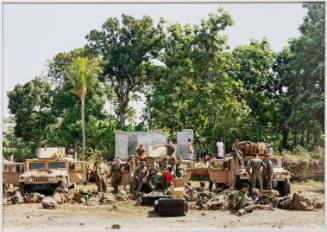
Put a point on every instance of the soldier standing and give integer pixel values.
(89, 167)
(100, 171)
(267, 172)
(115, 174)
(190, 148)
(139, 174)
(153, 170)
(256, 175)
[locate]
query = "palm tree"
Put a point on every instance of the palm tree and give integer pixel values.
(83, 75)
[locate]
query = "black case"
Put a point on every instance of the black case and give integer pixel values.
(149, 200)
(171, 207)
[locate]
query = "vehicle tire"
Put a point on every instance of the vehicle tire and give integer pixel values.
(238, 183)
(22, 188)
(284, 187)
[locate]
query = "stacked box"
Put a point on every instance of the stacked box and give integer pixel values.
(179, 182)
(178, 193)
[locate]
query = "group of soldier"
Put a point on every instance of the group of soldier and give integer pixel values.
(147, 170)
(159, 174)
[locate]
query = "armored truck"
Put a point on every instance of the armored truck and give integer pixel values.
(49, 171)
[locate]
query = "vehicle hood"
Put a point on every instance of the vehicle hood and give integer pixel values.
(278, 169)
(50, 173)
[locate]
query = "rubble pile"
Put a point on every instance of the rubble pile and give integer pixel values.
(205, 200)
(33, 197)
(90, 198)
(13, 197)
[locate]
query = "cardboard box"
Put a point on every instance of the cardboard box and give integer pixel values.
(179, 182)
(178, 193)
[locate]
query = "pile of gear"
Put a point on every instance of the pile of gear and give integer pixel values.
(243, 202)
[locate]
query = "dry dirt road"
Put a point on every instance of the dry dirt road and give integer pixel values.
(70, 216)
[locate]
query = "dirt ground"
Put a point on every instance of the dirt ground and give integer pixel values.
(130, 216)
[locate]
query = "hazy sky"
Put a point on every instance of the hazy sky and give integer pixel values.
(34, 33)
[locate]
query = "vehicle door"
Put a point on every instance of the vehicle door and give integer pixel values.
(12, 172)
(77, 172)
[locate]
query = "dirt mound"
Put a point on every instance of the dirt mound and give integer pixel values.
(305, 165)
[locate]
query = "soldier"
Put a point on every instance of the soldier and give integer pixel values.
(115, 174)
(190, 148)
(89, 167)
(180, 169)
(165, 164)
(256, 174)
(164, 167)
(100, 172)
(267, 172)
(140, 153)
(241, 197)
(153, 169)
(139, 174)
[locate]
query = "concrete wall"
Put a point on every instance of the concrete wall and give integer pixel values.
(127, 142)
(182, 139)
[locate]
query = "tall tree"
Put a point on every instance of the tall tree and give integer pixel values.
(128, 48)
(299, 82)
(83, 75)
(255, 63)
(31, 104)
(194, 89)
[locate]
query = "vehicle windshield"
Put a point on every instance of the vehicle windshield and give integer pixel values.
(37, 165)
(56, 165)
(218, 165)
(274, 162)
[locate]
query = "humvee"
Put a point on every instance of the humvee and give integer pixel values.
(46, 173)
(232, 173)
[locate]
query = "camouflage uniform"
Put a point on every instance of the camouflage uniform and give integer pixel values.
(100, 173)
(139, 174)
(116, 175)
(256, 175)
(267, 173)
(180, 170)
(153, 175)
(170, 149)
(140, 152)
(172, 161)
(239, 200)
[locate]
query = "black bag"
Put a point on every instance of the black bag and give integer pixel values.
(171, 207)
(149, 200)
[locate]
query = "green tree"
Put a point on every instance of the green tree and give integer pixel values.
(31, 104)
(83, 75)
(128, 50)
(299, 83)
(255, 63)
(195, 89)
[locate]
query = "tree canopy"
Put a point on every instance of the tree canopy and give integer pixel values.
(190, 78)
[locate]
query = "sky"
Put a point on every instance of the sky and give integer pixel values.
(34, 33)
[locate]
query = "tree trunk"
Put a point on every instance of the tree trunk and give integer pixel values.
(285, 138)
(83, 127)
(37, 147)
(121, 111)
(75, 148)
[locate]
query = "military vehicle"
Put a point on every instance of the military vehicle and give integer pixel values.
(233, 170)
(50, 170)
